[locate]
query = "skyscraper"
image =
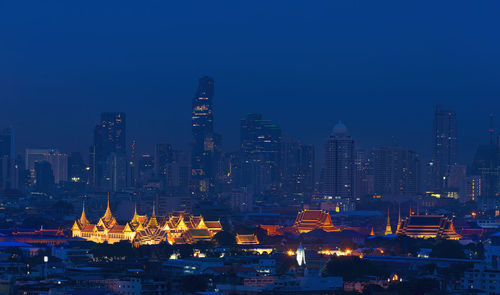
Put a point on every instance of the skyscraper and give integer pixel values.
(396, 171)
(108, 154)
(444, 153)
(206, 144)
(44, 177)
(76, 168)
(7, 153)
(261, 154)
(297, 167)
(339, 164)
(59, 164)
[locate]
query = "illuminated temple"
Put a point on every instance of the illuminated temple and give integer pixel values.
(176, 228)
(428, 226)
(308, 220)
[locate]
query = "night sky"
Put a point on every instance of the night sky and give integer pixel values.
(379, 66)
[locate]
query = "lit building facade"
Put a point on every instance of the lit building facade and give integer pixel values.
(176, 228)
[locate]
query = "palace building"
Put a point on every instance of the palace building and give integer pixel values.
(428, 226)
(247, 239)
(176, 228)
(308, 220)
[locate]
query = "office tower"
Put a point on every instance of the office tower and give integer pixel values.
(132, 169)
(31, 157)
(396, 171)
(339, 164)
(76, 168)
(455, 181)
(486, 165)
(59, 164)
(164, 155)
(7, 152)
(444, 153)
(44, 177)
(364, 179)
(108, 153)
(241, 200)
(297, 167)
(206, 144)
(260, 154)
(172, 168)
(145, 168)
(472, 188)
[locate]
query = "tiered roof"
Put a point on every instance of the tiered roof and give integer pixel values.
(177, 227)
(428, 226)
(308, 220)
(247, 239)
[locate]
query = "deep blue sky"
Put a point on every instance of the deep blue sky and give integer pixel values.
(379, 66)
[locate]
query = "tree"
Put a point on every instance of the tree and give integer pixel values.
(448, 249)
(225, 238)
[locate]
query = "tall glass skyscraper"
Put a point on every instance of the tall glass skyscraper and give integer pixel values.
(444, 153)
(339, 164)
(261, 154)
(108, 154)
(206, 144)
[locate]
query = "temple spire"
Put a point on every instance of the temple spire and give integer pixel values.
(388, 229)
(108, 215)
(83, 218)
(372, 232)
(152, 221)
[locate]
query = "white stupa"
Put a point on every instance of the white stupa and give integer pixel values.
(301, 255)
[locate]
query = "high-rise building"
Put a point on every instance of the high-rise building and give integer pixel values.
(145, 168)
(260, 154)
(76, 168)
(7, 154)
(396, 171)
(44, 177)
(339, 171)
(108, 153)
(297, 167)
(444, 153)
(364, 179)
(486, 165)
(59, 164)
(206, 144)
(164, 155)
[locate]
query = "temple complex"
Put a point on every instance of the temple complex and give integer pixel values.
(308, 220)
(176, 228)
(428, 226)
